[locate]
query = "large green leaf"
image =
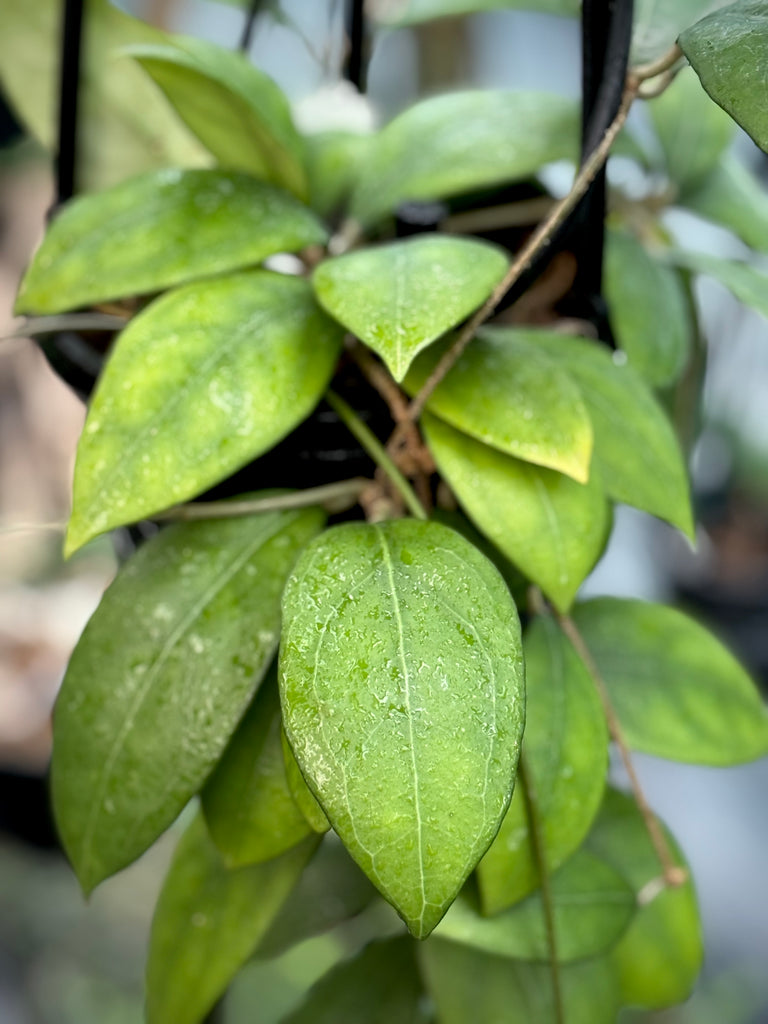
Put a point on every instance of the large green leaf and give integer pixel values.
(158, 230)
(305, 800)
(550, 526)
(414, 12)
(398, 298)
(462, 141)
(207, 922)
(649, 309)
(247, 803)
(657, 24)
(566, 744)
(636, 451)
(124, 127)
(235, 110)
(206, 378)
(592, 905)
(659, 957)
(378, 986)
(160, 678)
(729, 52)
(506, 391)
(677, 691)
(403, 698)
(732, 196)
(747, 283)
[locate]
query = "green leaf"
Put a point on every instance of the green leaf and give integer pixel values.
(657, 24)
(649, 310)
(469, 985)
(729, 52)
(747, 283)
(409, 741)
(592, 904)
(124, 127)
(566, 743)
(235, 110)
(659, 957)
(693, 131)
(247, 803)
(333, 162)
(551, 527)
(305, 800)
(415, 12)
(626, 418)
(506, 391)
(462, 141)
(732, 196)
(202, 381)
(160, 678)
(398, 298)
(381, 984)
(158, 230)
(677, 691)
(207, 922)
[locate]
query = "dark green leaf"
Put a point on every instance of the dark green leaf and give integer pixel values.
(566, 743)
(402, 690)
(203, 380)
(305, 800)
(747, 283)
(551, 527)
(657, 24)
(463, 141)
(414, 12)
(333, 162)
(158, 230)
(729, 52)
(677, 691)
(398, 298)
(160, 678)
(207, 922)
(506, 391)
(732, 196)
(235, 110)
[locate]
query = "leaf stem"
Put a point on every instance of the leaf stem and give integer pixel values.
(376, 450)
(335, 497)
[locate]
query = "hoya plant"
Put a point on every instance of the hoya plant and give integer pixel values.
(369, 401)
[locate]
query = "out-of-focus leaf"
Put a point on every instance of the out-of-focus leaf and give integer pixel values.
(731, 195)
(657, 24)
(747, 283)
(415, 12)
(334, 159)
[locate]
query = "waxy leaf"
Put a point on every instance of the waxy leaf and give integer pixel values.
(566, 744)
(551, 527)
(160, 678)
(677, 691)
(398, 298)
(658, 958)
(415, 12)
(235, 110)
(303, 796)
(592, 905)
(747, 283)
(208, 921)
(729, 51)
(158, 230)
(732, 196)
(462, 141)
(649, 310)
(202, 381)
(247, 802)
(403, 698)
(506, 391)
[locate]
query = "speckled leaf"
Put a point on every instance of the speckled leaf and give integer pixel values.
(303, 796)
(729, 52)
(248, 806)
(506, 391)
(463, 141)
(566, 742)
(659, 957)
(399, 297)
(592, 903)
(205, 379)
(649, 309)
(333, 162)
(731, 195)
(158, 230)
(207, 922)
(235, 110)
(548, 525)
(403, 698)
(415, 12)
(677, 691)
(160, 678)
(747, 283)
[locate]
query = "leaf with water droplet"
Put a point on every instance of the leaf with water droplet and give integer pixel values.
(305, 800)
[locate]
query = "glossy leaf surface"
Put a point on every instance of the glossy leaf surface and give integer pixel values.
(160, 678)
(161, 229)
(747, 283)
(207, 922)
(203, 380)
(732, 196)
(566, 744)
(677, 691)
(403, 698)
(305, 800)
(399, 297)
(415, 12)
(548, 525)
